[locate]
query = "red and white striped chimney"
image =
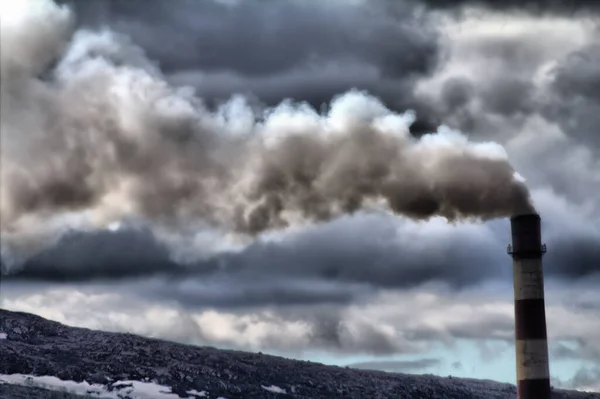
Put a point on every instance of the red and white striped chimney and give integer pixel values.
(533, 374)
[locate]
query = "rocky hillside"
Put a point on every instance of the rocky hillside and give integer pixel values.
(39, 356)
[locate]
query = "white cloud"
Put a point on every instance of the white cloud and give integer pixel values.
(406, 321)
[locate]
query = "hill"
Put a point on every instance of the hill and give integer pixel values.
(39, 357)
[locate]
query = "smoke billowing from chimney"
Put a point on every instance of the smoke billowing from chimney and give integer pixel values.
(90, 124)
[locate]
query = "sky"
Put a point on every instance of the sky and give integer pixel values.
(323, 180)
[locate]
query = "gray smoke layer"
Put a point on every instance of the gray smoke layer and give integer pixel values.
(90, 126)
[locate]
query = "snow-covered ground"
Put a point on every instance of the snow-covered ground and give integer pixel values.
(116, 390)
(274, 389)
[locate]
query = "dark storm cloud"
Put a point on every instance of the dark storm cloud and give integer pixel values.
(368, 252)
(310, 51)
(474, 102)
(574, 257)
(503, 96)
(336, 263)
(534, 6)
(397, 365)
(576, 102)
(99, 255)
(302, 50)
(316, 85)
(508, 96)
(235, 291)
(579, 74)
(291, 40)
(366, 255)
(456, 93)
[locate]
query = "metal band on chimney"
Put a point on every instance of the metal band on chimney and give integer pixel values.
(531, 346)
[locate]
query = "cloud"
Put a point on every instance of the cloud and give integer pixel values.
(518, 65)
(575, 103)
(246, 39)
(579, 255)
(409, 322)
(153, 151)
(300, 50)
(562, 351)
(100, 254)
(396, 253)
(504, 81)
(338, 262)
(586, 379)
(397, 366)
(529, 6)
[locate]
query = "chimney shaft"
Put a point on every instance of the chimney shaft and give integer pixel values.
(533, 374)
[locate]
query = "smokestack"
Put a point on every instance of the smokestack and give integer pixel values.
(533, 374)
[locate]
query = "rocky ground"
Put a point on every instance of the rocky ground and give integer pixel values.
(34, 346)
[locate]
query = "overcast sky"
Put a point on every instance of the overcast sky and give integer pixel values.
(376, 289)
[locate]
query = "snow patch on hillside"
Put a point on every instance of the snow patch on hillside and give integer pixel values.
(274, 389)
(117, 390)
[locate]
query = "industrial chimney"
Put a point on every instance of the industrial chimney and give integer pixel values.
(533, 374)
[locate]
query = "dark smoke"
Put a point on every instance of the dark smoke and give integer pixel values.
(325, 178)
(104, 133)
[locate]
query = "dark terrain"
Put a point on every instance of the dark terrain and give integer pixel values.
(40, 347)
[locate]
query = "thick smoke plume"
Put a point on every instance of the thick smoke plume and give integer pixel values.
(89, 125)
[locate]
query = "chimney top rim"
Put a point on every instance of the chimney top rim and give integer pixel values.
(525, 216)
